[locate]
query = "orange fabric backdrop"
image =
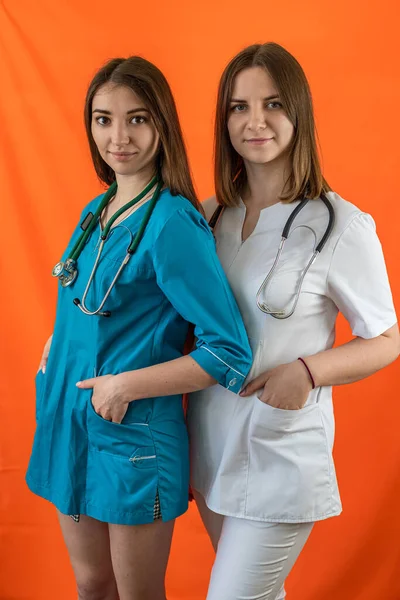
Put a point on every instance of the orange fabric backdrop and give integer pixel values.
(49, 51)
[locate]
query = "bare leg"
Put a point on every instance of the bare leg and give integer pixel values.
(88, 545)
(139, 557)
(212, 521)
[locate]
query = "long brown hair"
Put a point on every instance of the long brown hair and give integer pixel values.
(147, 81)
(305, 177)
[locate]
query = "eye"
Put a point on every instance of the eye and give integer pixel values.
(102, 120)
(274, 105)
(238, 108)
(139, 120)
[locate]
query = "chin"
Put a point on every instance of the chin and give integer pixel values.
(124, 169)
(261, 159)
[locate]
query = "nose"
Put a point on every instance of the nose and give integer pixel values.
(120, 134)
(256, 119)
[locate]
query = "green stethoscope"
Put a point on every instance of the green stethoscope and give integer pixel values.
(67, 270)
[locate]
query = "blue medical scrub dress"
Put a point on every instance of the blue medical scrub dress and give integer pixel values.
(115, 472)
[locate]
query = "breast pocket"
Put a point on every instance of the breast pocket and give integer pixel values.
(117, 243)
(291, 283)
(118, 274)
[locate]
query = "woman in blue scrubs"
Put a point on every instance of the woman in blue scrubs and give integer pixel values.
(110, 449)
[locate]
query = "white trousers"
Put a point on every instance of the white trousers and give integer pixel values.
(253, 558)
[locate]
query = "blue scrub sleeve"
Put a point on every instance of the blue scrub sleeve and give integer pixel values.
(189, 273)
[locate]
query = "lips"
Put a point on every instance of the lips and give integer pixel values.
(122, 156)
(258, 140)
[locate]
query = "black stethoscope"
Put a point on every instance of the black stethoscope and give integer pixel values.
(287, 311)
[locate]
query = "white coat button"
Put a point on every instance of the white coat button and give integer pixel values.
(233, 382)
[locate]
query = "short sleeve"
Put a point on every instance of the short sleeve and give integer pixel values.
(358, 282)
(189, 273)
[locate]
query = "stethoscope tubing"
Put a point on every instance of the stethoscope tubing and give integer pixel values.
(283, 313)
(67, 271)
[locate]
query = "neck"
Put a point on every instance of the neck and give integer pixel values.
(265, 183)
(130, 186)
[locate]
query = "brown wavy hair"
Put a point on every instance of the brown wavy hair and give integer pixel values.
(305, 177)
(150, 85)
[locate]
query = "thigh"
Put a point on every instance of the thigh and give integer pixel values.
(139, 556)
(212, 521)
(88, 545)
(254, 558)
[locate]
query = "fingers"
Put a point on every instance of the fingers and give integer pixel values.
(118, 413)
(42, 364)
(87, 384)
(45, 355)
(254, 385)
(115, 415)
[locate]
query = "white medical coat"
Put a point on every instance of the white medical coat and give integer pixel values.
(249, 459)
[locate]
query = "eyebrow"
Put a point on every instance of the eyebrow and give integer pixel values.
(274, 97)
(129, 112)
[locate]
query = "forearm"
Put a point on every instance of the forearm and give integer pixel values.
(178, 376)
(354, 360)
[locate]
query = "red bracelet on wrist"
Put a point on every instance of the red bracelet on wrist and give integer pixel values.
(308, 371)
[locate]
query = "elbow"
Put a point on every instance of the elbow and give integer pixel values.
(393, 343)
(394, 355)
(396, 352)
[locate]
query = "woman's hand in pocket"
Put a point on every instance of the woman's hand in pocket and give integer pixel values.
(45, 355)
(286, 387)
(107, 399)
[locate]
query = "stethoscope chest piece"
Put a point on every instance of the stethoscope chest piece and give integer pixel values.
(66, 272)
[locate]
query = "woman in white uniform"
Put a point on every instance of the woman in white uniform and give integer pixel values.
(262, 468)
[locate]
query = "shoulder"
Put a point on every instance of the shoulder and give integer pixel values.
(176, 211)
(354, 240)
(168, 204)
(347, 217)
(350, 220)
(345, 211)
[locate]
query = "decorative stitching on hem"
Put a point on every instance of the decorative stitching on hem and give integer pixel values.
(220, 359)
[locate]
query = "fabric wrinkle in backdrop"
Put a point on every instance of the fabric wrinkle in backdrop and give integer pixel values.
(48, 54)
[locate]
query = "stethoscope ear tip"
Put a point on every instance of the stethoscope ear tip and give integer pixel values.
(105, 313)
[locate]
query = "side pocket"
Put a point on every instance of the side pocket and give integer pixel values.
(39, 386)
(144, 458)
(122, 472)
(289, 453)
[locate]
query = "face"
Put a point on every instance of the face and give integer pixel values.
(123, 130)
(259, 128)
